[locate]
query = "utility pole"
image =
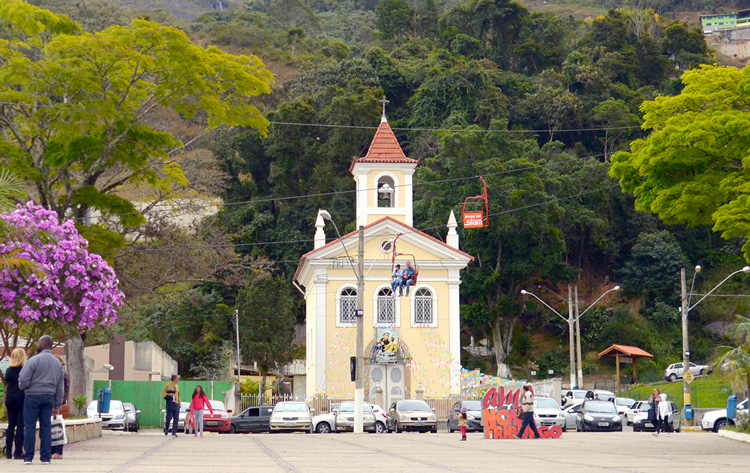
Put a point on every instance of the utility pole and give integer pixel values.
(578, 340)
(570, 336)
(237, 333)
(359, 386)
(685, 349)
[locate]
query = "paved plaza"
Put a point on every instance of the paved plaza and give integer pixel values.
(151, 452)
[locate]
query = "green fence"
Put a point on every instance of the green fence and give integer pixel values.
(146, 395)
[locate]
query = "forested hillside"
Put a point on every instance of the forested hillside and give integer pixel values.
(537, 103)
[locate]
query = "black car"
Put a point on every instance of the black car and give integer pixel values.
(473, 416)
(253, 419)
(642, 423)
(133, 424)
(598, 415)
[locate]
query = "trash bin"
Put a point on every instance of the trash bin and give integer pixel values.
(688, 411)
(102, 400)
(731, 407)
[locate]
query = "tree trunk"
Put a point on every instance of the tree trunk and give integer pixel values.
(502, 350)
(262, 389)
(77, 369)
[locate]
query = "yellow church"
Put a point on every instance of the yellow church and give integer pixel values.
(411, 343)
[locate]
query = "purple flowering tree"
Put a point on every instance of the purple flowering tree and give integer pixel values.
(72, 291)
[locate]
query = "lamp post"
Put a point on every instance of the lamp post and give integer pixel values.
(359, 385)
(685, 309)
(578, 327)
(570, 321)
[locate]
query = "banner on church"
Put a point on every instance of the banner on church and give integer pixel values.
(386, 346)
(502, 416)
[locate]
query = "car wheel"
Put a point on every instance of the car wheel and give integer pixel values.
(672, 378)
(323, 428)
(720, 424)
(434, 430)
(379, 428)
(700, 373)
(398, 428)
(565, 428)
(232, 429)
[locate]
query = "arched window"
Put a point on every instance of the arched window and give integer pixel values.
(423, 307)
(348, 306)
(386, 192)
(386, 307)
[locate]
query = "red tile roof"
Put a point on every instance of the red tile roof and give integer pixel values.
(625, 350)
(384, 148)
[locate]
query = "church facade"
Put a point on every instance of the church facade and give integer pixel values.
(411, 343)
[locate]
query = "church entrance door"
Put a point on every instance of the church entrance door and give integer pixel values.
(391, 379)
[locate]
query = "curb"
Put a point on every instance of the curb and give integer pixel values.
(739, 436)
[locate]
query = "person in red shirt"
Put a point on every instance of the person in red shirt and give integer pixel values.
(197, 407)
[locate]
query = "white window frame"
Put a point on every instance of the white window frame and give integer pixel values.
(339, 293)
(396, 202)
(413, 303)
(396, 303)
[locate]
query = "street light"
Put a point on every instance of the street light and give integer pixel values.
(359, 385)
(570, 332)
(685, 311)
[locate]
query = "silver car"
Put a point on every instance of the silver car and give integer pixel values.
(637, 408)
(571, 415)
(411, 415)
(548, 413)
(675, 371)
(344, 418)
(114, 419)
(291, 416)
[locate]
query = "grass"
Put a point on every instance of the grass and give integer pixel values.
(710, 392)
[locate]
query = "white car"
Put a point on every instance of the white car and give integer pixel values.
(571, 415)
(548, 413)
(380, 416)
(674, 371)
(291, 416)
(575, 396)
(637, 408)
(623, 404)
(114, 419)
(717, 420)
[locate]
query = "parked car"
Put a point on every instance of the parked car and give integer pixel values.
(623, 404)
(548, 413)
(473, 416)
(220, 420)
(252, 419)
(717, 420)
(411, 414)
(638, 407)
(598, 415)
(571, 415)
(573, 395)
(114, 419)
(675, 371)
(133, 424)
(322, 423)
(641, 422)
(291, 416)
(184, 409)
(380, 417)
(343, 419)
(600, 395)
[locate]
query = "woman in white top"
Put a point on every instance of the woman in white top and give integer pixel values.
(665, 409)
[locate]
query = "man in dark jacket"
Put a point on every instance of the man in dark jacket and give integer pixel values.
(43, 382)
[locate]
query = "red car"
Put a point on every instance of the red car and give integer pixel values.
(219, 421)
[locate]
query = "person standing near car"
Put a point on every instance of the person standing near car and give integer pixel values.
(57, 450)
(527, 405)
(14, 405)
(171, 395)
(197, 407)
(665, 409)
(653, 411)
(43, 382)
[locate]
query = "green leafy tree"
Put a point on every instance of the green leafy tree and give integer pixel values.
(653, 269)
(266, 324)
(394, 20)
(734, 360)
(692, 168)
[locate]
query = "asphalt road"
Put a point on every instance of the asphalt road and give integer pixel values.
(151, 452)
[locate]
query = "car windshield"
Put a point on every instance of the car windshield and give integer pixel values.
(545, 403)
(621, 401)
(349, 407)
(113, 406)
(218, 406)
(472, 405)
(290, 407)
(644, 407)
(600, 407)
(420, 406)
(579, 395)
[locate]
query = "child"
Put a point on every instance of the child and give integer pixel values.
(462, 419)
(398, 281)
(197, 405)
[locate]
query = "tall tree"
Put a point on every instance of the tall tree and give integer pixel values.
(692, 168)
(266, 324)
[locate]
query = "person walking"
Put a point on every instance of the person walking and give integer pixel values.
(43, 382)
(14, 405)
(462, 420)
(57, 450)
(527, 405)
(665, 409)
(653, 411)
(171, 394)
(197, 407)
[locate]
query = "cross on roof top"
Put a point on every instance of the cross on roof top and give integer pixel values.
(384, 101)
